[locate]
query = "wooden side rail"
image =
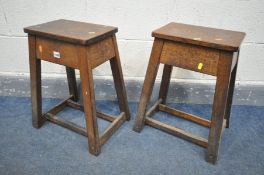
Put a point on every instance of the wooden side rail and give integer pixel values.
(185, 115)
(66, 124)
(116, 122)
(74, 105)
(177, 132)
(109, 131)
(57, 108)
(173, 130)
(105, 116)
(153, 108)
(101, 115)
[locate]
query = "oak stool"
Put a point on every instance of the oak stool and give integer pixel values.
(82, 46)
(205, 50)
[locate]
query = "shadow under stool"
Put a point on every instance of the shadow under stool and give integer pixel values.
(82, 46)
(206, 50)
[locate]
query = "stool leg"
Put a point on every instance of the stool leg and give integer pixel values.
(220, 99)
(165, 82)
(148, 84)
(89, 102)
(35, 80)
(230, 93)
(119, 81)
(72, 83)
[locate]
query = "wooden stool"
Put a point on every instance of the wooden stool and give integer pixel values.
(82, 46)
(206, 50)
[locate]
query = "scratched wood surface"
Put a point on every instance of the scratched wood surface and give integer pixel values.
(45, 49)
(203, 36)
(72, 31)
(100, 52)
(189, 57)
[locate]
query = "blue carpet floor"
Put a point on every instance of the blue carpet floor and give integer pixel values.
(55, 150)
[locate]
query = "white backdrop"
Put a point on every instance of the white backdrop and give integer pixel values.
(135, 20)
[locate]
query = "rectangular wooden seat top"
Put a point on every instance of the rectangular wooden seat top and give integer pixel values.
(72, 31)
(203, 36)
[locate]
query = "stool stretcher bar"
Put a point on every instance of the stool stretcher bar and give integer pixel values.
(101, 115)
(116, 122)
(185, 115)
(66, 124)
(57, 108)
(176, 131)
(153, 108)
(109, 131)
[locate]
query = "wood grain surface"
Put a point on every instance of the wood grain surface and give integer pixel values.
(203, 36)
(72, 31)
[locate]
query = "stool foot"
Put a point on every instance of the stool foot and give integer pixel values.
(211, 159)
(137, 129)
(39, 124)
(94, 151)
(227, 123)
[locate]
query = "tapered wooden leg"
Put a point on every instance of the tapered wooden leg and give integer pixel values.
(220, 99)
(165, 82)
(230, 94)
(35, 79)
(89, 102)
(119, 82)
(148, 84)
(72, 83)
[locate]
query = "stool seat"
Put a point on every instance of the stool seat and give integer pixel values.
(202, 36)
(72, 31)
